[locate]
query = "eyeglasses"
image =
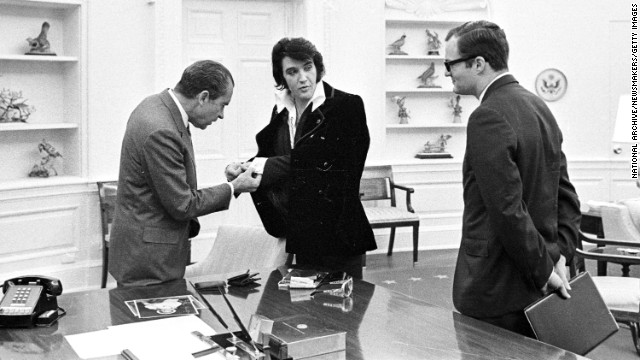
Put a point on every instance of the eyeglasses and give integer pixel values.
(450, 63)
(344, 290)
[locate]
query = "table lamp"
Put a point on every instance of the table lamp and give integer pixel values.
(622, 132)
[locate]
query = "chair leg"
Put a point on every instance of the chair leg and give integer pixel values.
(392, 237)
(415, 243)
(634, 335)
(105, 265)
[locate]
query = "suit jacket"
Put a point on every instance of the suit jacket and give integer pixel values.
(520, 209)
(310, 194)
(158, 201)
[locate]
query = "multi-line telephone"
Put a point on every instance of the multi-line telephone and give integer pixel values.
(29, 301)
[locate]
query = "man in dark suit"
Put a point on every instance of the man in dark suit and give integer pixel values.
(311, 156)
(521, 212)
(158, 200)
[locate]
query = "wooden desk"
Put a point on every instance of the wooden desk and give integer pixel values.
(380, 323)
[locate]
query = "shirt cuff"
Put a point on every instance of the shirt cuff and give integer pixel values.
(258, 164)
(232, 189)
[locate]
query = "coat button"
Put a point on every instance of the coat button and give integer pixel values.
(311, 136)
(321, 137)
(318, 121)
(325, 163)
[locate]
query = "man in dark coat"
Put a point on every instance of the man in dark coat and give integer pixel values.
(311, 156)
(521, 215)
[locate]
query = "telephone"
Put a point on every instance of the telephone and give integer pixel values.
(29, 301)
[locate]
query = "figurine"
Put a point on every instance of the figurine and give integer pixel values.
(403, 113)
(45, 168)
(439, 147)
(433, 43)
(457, 109)
(396, 45)
(40, 45)
(437, 150)
(13, 108)
(427, 77)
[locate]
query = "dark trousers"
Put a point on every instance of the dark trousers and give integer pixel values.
(514, 321)
(352, 265)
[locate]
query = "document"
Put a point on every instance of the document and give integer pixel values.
(169, 338)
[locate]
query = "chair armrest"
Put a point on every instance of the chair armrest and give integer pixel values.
(409, 191)
(600, 241)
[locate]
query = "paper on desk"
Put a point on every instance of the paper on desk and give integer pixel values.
(168, 338)
(94, 344)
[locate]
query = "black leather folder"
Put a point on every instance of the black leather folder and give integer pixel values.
(578, 324)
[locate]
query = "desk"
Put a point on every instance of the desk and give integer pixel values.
(380, 323)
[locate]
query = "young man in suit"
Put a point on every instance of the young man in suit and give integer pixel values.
(521, 213)
(311, 156)
(158, 199)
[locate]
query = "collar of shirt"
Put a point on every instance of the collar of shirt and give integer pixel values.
(285, 100)
(492, 81)
(185, 117)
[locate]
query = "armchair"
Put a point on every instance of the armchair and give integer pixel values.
(621, 294)
(620, 221)
(377, 185)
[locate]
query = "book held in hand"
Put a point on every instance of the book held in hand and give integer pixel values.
(577, 324)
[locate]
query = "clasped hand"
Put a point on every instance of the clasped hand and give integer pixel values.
(558, 280)
(243, 177)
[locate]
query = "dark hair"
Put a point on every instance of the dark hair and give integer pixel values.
(299, 49)
(205, 75)
(482, 38)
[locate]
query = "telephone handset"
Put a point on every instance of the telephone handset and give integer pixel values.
(30, 300)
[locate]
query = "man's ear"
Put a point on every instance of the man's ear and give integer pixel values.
(203, 97)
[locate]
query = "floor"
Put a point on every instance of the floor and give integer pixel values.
(432, 278)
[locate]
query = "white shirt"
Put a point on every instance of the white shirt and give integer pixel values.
(185, 120)
(284, 100)
(484, 91)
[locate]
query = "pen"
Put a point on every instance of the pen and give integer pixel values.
(127, 354)
(243, 329)
(206, 302)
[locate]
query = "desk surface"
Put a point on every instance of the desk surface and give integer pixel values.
(380, 323)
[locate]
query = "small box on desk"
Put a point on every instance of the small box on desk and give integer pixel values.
(306, 337)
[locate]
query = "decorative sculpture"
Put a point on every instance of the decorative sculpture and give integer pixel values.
(427, 77)
(396, 45)
(40, 45)
(45, 167)
(13, 107)
(454, 104)
(403, 113)
(435, 150)
(433, 43)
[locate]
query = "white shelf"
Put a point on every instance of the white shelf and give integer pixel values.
(37, 182)
(415, 57)
(42, 58)
(51, 4)
(20, 126)
(405, 22)
(420, 91)
(430, 126)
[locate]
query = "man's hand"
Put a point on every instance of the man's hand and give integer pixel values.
(558, 279)
(246, 181)
(234, 169)
(560, 268)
